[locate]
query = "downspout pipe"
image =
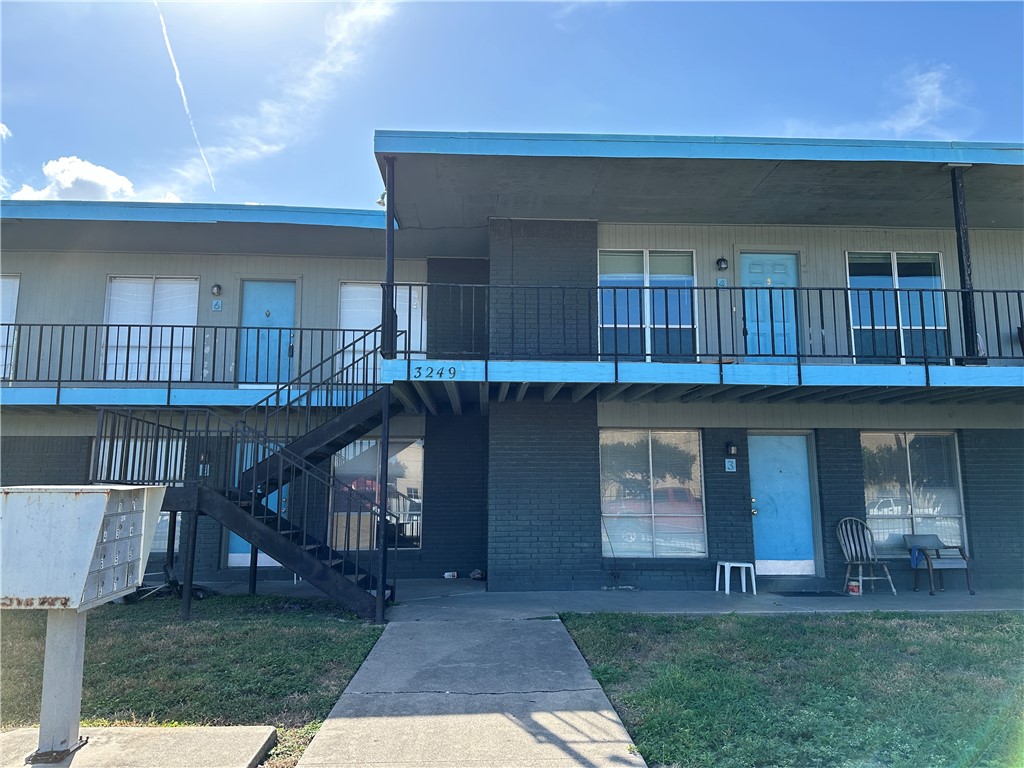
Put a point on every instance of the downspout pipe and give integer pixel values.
(963, 247)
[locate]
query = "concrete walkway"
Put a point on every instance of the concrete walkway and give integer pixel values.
(466, 678)
(480, 693)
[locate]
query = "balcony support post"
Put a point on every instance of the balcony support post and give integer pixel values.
(963, 247)
(389, 319)
(382, 506)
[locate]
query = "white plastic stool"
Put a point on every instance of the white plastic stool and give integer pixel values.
(727, 566)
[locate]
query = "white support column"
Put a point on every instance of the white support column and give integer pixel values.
(62, 684)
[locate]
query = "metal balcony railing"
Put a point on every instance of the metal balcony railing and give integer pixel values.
(167, 355)
(711, 324)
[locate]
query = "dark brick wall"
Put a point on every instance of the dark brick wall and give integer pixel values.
(841, 489)
(548, 323)
(457, 308)
(45, 460)
(992, 469)
(454, 499)
(543, 493)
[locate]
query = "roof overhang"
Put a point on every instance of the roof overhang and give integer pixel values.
(449, 184)
(191, 228)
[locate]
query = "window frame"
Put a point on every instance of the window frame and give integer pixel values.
(901, 327)
(908, 435)
(9, 334)
(412, 517)
(647, 325)
(655, 559)
(142, 371)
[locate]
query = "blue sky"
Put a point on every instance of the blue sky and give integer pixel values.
(284, 97)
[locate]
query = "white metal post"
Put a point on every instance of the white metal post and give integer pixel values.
(62, 684)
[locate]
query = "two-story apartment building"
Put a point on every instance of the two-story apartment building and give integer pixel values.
(617, 359)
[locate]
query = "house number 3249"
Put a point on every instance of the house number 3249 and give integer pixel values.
(430, 372)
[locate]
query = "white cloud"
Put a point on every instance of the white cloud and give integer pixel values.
(5, 132)
(926, 106)
(285, 119)
(71, 178)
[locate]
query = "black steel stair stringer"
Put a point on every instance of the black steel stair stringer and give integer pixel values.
(321, 442)
(292, 556)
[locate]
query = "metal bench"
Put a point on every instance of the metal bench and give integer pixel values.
(928, 551)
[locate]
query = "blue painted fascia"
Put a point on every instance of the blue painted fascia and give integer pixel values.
(695, 147)
(190, 213)
(760, 374)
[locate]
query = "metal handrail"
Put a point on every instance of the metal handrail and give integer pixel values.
(198, 448)
(322, 392)
(147, 355)
(718, 324)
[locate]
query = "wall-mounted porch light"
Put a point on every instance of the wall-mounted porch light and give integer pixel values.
(722, 263)
(215, 289)
(731, 449)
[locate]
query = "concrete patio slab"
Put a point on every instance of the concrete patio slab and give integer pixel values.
(236, 746)
(464, 600)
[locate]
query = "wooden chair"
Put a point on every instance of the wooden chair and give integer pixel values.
(936, 556)
(859, 549)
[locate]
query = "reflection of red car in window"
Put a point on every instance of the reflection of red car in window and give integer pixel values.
(676, 509)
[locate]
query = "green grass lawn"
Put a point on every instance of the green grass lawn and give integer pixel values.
(239, 661)
(913, 690)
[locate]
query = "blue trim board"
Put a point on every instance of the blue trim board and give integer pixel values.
(543, 372)
(28, 396)
(130, 396)
(694, 147)
(194, 213)
(668, 373)
(864, 375)
(241, 397)
(762, 374)
(977, 376)
(432, 370)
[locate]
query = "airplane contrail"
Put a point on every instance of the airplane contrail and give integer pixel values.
(181, 88)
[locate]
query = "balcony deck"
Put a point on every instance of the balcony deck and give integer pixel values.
(473, 344)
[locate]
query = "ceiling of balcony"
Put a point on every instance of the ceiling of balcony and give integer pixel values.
(213, 238)
(444, 197)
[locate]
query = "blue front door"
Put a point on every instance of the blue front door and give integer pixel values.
(239, 549)
(769, 309)
(780, 490)
(266, 346)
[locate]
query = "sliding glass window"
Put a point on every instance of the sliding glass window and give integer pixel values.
(911, 486)
(651, 494)
(646, 307)
(897, 312)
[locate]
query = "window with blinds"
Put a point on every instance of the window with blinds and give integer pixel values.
(150, 328)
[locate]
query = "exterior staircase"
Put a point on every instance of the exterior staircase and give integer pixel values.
(266, 476)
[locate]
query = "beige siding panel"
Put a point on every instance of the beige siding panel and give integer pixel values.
(71, 287)
(47, 424)
(997, 255)
(807, 416)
